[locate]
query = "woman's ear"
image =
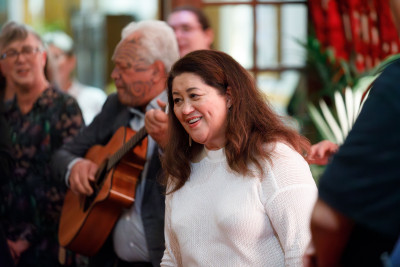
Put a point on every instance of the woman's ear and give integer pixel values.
(228, 97)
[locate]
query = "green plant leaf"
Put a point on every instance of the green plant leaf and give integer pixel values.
(320, 123)
(341, 113)
(351, 106)
(333, 125)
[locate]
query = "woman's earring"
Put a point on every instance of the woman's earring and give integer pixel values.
(229, 106)
(190, 141)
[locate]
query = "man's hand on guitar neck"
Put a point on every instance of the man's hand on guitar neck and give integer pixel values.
(156, 123)
(82, 173)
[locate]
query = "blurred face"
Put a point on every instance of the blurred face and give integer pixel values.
(63, 64)
(189, 33)
(201, 110)
(132, 75)
(23, 62)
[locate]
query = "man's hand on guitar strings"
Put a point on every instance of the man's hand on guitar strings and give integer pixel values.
(82, 173)
(156, 123)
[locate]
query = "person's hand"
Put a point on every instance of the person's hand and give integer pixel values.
(17, 248)
(321, 152)
(82, 173)
(156, 123)
(309, 257)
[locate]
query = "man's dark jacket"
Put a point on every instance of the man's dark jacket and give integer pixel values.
(99, 132)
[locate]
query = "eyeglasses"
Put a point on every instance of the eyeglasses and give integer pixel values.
(123, 66)
(27, 51)
(186, 28)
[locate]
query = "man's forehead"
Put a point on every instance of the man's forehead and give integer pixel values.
(183, 17)
(128, 50)
(129, 46)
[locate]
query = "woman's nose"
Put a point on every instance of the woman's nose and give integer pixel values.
(187, 107)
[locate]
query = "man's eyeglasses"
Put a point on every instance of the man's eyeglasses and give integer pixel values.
(27, 51)
(186, 28)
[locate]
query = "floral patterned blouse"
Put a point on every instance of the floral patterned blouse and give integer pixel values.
(31, 200)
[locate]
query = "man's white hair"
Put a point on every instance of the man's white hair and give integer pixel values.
(158, 41)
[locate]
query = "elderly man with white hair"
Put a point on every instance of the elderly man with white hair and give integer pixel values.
(142, 61)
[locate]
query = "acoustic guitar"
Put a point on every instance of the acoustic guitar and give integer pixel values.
(86, 221)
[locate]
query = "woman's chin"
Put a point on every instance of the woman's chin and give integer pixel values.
(196, 139)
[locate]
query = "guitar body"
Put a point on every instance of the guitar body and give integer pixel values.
(86, 222)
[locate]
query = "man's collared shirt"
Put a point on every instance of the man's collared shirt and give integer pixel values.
(129, 237)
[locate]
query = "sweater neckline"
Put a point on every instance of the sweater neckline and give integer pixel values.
(214, 155)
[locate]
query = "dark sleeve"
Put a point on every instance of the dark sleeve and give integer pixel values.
(5, 255)
(6, 162)
(69, 121)
(363, 179)
(97, 133)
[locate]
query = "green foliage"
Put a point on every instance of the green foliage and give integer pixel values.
(43, 28)
(339, 92)
(331, 74)
(378, 69)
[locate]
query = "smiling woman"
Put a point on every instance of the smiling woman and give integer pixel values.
(40, 119)
(201, 110)
(22, 62)
(235, 172)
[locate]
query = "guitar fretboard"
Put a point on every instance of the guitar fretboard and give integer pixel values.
(114, 159)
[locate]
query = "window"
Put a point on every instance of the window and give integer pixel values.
(264, 36)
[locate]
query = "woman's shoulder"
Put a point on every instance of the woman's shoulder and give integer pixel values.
(287, 166)
(279, 150)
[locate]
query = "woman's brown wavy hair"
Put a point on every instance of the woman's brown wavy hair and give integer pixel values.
(251, 122)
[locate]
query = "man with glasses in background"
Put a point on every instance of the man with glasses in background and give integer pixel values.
(192, 29)
(40, 120)
(193, 32)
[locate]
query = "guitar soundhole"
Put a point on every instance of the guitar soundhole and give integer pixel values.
(99, 179)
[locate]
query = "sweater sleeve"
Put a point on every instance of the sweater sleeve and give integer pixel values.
(171, 252)
(290, 193)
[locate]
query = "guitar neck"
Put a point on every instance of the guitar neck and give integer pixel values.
(135, 140)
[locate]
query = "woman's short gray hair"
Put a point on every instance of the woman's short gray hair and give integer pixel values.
(14, 31)
(158, 41)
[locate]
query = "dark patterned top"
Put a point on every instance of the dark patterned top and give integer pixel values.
(31, 200)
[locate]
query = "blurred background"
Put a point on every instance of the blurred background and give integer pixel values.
(299, 51)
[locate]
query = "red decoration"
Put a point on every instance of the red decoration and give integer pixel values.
(362, 31)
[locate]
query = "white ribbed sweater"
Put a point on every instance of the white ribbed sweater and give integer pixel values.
(219, 218)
